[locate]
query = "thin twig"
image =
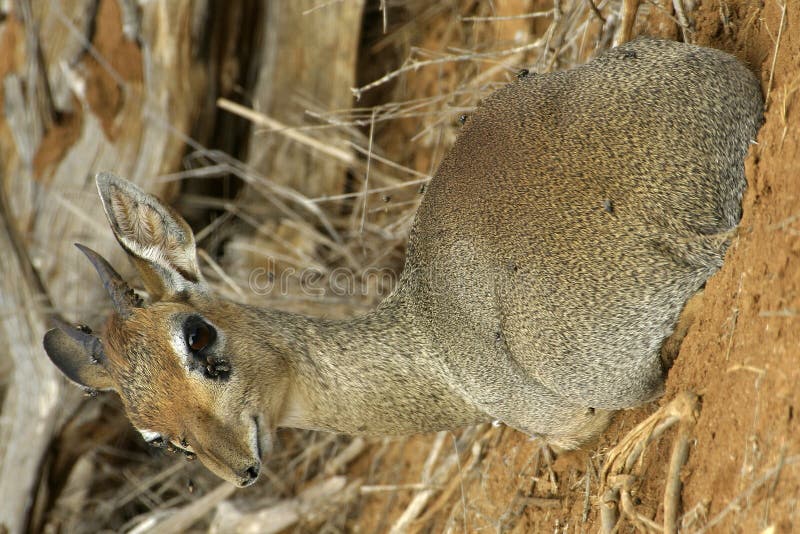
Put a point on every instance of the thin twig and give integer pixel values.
(608, 511)
(220, 272)
(385, 488)
(775, 54)
(672, 493)
(185, 517)
(534, 15)
(596, 10)
(415, 65)
(366, 175)
(278, 127)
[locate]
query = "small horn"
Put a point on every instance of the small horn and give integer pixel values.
(122, 296)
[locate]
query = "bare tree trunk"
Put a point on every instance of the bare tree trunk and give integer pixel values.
(119, 85)
(33, 394)
(291, 70)
(86, 86)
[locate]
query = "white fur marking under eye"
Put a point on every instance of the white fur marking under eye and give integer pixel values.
(180, 348)
(149, 435)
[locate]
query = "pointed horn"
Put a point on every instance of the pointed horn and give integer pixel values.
(122, 296)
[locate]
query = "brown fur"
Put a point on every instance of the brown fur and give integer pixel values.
(550, 259)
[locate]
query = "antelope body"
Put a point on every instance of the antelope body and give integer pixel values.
(550, 258)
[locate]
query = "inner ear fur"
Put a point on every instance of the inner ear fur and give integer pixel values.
(157, 239)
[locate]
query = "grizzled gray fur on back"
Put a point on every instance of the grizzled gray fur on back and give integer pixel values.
(573, 218)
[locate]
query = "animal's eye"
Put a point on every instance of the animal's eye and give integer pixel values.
(199, 337)
(156, 442)
(199, 334)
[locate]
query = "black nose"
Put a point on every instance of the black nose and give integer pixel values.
(250, 475)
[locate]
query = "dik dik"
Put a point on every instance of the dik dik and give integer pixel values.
(565, 230)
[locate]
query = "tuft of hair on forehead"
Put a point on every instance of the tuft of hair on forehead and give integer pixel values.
(141, 348)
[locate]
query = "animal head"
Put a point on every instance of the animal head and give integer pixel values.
(179, 363)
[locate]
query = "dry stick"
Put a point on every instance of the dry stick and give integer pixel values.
(414, 65)
(749, 368)
(276, 126)
(433, 455)
(476, 452)
(366, 174)
(421, 499)
(345, 157)
(321, 6)
(621, 458)
(672, 493)
(608, 511)
(640, 446)
(220, 272)
(645, 523)
(519, 502)
(371, 191)
(775, 55)
(771, 489)
(784, 312)
(144, 494)
(395, 205)
(413, 108)
(211, 171)
(548, 460)
(248, 176)
(534, 15)
(187, 516)
(444, 498)
(544, 503)
(381, 488)
(389, 163)
(627, 17)
(596, 10)
(347, 455)
(683, 21)
(140, 486)
(586, 496)
(747, 458)
(213, 226)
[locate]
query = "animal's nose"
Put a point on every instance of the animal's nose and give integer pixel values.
(250, 475)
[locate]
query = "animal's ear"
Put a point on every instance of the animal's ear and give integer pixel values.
(79, 356)
(158, 240)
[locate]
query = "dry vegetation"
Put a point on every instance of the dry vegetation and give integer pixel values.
(244, 115)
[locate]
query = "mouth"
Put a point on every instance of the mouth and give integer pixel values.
(263, 436)
(259, 451)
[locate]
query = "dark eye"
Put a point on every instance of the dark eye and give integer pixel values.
(156, 442)
(200, 337)
(199, 334)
